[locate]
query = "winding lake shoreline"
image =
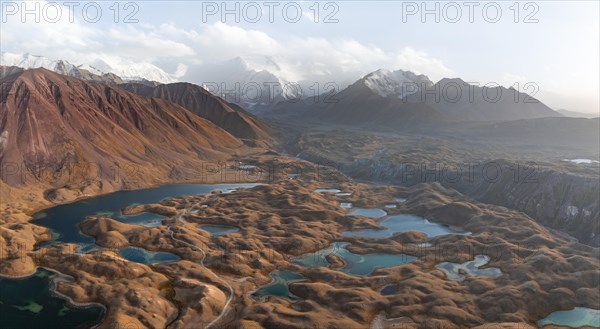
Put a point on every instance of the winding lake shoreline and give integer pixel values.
(43, 214)
(52, 281)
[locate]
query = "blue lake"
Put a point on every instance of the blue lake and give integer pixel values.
(404, 223)
(63, 220)
(354, 263)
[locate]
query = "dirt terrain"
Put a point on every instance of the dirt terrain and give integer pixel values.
(212, 282)
(528, 177)
(542, 234)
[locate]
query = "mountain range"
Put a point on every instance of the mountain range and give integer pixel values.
(398, 100)
(141, 131)
(259, 87)
(49, 120)
(475, 103)
(375, 100)
(406, 101)
(116, 71)
(254, 85)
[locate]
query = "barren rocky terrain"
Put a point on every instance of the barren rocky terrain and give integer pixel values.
(530, 213)
(528, 177)
(285, 218)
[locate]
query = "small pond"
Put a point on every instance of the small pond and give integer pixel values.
(143, 256)
(459, 272)
(577, 317)
(327, 190)
(279, 286)
(216, 230)
(373, 213)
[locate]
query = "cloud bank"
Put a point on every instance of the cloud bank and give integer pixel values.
(190, 54)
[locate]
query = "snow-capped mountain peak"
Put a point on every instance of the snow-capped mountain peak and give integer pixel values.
(398, 83)
(125, 68)
(28, 61)
(253, 82)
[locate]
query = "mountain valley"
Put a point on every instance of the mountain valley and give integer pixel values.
(276, 218)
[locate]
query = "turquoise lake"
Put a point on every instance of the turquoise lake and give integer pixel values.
(404, 223)
(279, 286)
(354, 263)
(577, 317)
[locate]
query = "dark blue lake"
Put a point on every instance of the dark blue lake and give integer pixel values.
(63, 220)
(27, 303)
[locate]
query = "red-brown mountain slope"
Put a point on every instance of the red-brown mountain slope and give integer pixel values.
(228, 116)
(54, 121)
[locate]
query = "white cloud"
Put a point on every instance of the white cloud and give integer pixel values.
(137, 43)
(68, 38)
(423, 63)
(305, 58)
(186, 51)
(225, 41)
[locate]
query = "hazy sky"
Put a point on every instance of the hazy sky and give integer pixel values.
(554, 44)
